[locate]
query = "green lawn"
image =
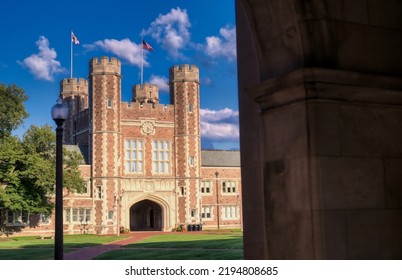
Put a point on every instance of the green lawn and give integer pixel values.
(32, 248)
(175, 246)
(171, 254)
(182, 247)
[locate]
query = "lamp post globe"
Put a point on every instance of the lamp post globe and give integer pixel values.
(59, 114)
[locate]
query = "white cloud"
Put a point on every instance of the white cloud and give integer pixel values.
(207, 82)
(123, 49)
(161, 82)
(220, 125)
(43, 65)
(223, 46)
(171, 31)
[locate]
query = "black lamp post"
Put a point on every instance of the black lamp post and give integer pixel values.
(217, 197)
(59, 115)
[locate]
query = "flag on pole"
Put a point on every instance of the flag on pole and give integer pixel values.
(146, 46)
(74, 39)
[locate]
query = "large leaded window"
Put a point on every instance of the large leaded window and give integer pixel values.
(134, 156)
(77, 215)
(229, 212)
(161, 157)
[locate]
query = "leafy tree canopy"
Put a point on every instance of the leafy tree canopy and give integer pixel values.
(27, 171)
(12, 110)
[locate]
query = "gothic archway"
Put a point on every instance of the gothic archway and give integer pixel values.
(145, 215)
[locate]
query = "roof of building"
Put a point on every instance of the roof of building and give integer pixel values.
(83, 150)
(209, 158)
(221, 158)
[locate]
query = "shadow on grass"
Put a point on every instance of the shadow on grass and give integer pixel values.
(171, 254)
(229, 242)
(34, 248)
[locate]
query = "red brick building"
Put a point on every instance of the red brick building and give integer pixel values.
(144, 166)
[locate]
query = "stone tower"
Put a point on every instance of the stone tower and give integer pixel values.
(105, 147)
(185, 96)
(75, 93)
(146, 93)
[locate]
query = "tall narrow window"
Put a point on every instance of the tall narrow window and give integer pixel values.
(134, 156)
(190, 107)
(161, 157)
(10, 217)
(82, 215)
(191, 161)
(67, 215)
(24, 216)
(75, 215)
(110, 214)
(87, 215)
(109, 103)
(98, 192)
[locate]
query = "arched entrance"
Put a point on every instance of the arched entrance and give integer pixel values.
(145, 215)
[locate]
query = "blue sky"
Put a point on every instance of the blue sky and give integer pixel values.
(35, 52)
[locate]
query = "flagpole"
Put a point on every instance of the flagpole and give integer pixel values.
(71, 55)
(142, 60)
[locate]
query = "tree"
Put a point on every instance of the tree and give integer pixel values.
(27, 171)
(72, 180)
(27, 166)
(12, 110)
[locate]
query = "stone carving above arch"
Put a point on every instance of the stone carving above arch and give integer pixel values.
(148, 185)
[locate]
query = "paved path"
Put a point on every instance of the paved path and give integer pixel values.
(88, 253)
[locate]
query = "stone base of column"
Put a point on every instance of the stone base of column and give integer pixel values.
(332, 165)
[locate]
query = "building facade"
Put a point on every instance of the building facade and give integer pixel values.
(144, 166)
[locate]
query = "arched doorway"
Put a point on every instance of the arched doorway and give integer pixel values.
(145, 215)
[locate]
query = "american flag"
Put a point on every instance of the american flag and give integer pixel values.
(146, 46)
(74, 39)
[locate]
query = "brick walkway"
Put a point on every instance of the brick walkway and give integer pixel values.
(88, 253)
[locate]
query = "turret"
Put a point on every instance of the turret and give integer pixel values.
(181, 73)
(105, 146)
(105, 66)
(146, 94)
(75, 93)
(185, 96)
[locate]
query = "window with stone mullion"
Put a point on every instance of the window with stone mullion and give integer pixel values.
(133, 156)
(160, 157)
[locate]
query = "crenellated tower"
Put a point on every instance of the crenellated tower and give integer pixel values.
(185, 96)
(75, 93)
(105, 148)
(145, 93)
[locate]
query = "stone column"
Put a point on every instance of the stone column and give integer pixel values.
(330, 101)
